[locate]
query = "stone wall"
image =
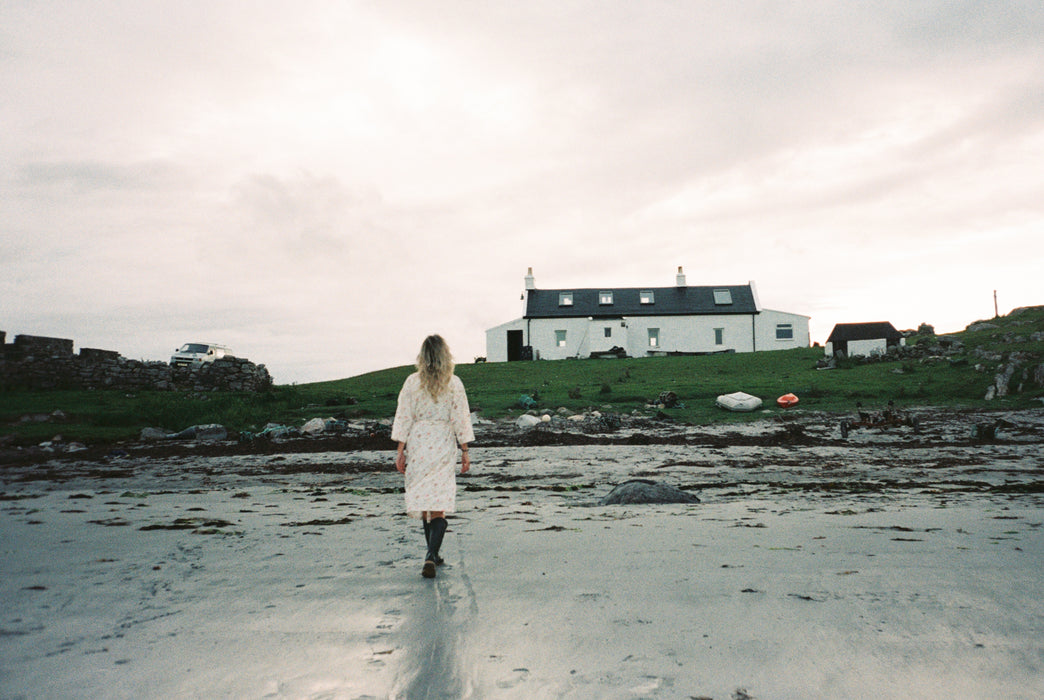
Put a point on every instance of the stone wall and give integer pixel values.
(34, 362)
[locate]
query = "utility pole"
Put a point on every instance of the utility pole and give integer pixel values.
(996, 313)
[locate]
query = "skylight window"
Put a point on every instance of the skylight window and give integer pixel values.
(565, 298)
(605, 298)
(646, 297)
(722, 297)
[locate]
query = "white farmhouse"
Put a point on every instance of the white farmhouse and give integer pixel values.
(562, 323)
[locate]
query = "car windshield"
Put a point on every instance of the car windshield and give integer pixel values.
(193, 347)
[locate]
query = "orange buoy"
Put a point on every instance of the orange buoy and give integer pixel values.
(787, 400)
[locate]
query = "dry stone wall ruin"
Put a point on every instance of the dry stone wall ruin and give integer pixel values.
(35, 362)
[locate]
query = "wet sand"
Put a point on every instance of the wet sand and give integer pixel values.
(891, 564)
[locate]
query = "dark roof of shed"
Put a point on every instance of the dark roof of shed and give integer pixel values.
(667, 301)
(843, 332)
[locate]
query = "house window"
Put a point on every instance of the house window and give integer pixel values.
(719, 336)
(784, 331)
(605, 298)
(608, 332)
(654, 337)
(646, 297)
(722, 297)
(565, 299)
(560, 338)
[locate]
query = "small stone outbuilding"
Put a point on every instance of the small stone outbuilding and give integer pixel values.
(865, 339)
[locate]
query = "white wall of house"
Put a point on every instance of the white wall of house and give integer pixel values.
(496, 339)
(867, 347)
(771, 328)
(714, 333)
(605, 334)
(545, 334)
(689, 334)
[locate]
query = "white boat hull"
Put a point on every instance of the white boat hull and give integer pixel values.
(738, 401)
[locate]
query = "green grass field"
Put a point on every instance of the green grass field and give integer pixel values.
(618, 385)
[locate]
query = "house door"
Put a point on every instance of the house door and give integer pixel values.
(514, 346)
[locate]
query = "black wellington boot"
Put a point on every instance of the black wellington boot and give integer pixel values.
(427, 541)
(436, 531)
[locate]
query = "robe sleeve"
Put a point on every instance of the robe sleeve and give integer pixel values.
(460, 414)
(403, 414)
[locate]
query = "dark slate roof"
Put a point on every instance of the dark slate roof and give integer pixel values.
(667, 301)
(843, 332)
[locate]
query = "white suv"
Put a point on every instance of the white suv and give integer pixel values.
(198, 353)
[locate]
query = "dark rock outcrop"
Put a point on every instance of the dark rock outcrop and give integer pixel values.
(643, 491)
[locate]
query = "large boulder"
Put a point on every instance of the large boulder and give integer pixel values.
(639, 491)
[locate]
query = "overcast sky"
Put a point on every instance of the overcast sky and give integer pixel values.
(321, 184)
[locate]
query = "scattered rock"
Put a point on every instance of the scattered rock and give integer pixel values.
(211, 431)
(527, 421)
(602, 423)
(314, 426)
(150, 434)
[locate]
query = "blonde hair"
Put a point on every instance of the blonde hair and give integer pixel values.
(435, 365)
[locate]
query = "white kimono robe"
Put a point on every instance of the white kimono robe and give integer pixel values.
(431, 429)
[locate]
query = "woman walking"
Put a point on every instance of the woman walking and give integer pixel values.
(431, 418)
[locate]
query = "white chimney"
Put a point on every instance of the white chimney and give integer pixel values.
(530, 285)
(754, 293)
(680, 279)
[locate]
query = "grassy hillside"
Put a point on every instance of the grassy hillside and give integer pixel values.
(936, 374)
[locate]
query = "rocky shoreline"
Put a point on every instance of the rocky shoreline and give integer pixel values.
(918, 427)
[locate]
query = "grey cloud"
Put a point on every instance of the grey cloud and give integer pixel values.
(974, 26)
(89, 176)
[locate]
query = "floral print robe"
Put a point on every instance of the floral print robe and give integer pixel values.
(431, 429)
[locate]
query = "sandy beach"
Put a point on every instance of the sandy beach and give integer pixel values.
(893, 563)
